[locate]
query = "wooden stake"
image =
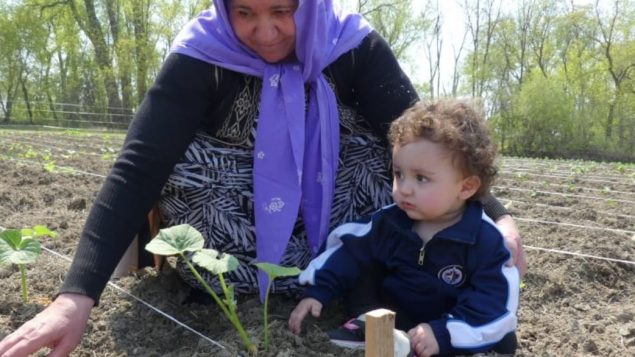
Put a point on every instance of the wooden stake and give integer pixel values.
(379, 333)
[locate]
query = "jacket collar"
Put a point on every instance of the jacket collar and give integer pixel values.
(465, 230)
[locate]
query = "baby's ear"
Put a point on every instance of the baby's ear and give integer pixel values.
(469, 186)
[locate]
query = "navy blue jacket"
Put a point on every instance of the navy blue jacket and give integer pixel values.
(457, 282)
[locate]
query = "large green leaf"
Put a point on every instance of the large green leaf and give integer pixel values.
(176, 240)
(215, 262)
(274, 271)
(26, 251)
(12, 237)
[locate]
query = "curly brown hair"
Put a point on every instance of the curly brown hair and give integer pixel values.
(459, 126)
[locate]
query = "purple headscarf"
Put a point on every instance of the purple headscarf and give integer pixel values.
(297, 148)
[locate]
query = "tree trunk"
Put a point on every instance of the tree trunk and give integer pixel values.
(25, 95)
(140, 12)
(123, 63)
(608, 130)
(93, 29)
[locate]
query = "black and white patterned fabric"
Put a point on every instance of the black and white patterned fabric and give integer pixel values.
(211, 189)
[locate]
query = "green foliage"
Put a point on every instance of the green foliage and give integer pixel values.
(273, 271)
(181, 239)
(21, 247)
(555, 80)
(184, 238)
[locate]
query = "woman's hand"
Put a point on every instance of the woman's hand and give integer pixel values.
(60, 327)
(423, 341)
(513, 242)
(304, 307)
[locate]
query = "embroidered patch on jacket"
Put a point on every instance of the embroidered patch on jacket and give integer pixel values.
(452, 275)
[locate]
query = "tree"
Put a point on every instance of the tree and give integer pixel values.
(396, 22)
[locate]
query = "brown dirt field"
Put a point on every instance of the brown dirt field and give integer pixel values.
(570, 305)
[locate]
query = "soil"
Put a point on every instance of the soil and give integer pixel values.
(571, 305)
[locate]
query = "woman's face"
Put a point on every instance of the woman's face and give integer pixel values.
(265, 26)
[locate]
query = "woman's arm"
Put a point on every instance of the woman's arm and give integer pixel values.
(497, 212)
(163, 127)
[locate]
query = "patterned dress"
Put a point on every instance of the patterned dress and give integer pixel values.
(211, 188)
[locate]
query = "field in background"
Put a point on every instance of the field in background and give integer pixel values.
(577, 220)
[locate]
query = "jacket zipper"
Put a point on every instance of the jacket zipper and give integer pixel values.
(422, 254)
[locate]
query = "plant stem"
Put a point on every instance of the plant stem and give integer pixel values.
(266, 320)
(229, 313)
(25, 292)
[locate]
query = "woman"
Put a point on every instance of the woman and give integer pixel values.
(265, 127)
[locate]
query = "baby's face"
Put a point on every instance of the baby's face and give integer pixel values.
(427, 185)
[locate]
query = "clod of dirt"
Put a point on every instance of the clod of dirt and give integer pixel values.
(6, 271)
(77, 204)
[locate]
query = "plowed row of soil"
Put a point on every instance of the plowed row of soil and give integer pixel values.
(571, 305)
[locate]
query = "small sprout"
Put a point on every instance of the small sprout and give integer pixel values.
(273, 271)
(621, 168)
(49, 166)
(183, 238)
(178, 240)
(20, 247)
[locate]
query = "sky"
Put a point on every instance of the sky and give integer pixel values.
(453, 27)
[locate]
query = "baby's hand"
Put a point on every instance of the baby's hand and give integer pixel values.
(423, 341)
(300, 311)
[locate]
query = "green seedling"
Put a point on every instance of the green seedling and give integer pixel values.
(178, 240)
(49, 166)
(273, 271)
(621, 168)
(20, 247)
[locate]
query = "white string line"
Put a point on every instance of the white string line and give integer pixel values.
(18, 102)
(90, 131)
(52, 130)
(562, 194)
(557, 251)
(64, 151)
(42, 110)
(577, 177)
(612, 173)
(57, 137)
(610, 214)
(123, 124)
(556, 162)
(614, 230)
(547, 161)
(43, 143)
(87, 140)
(57, 167)
(497, 187)
(567, 173)
(147, 304)
(34, 128)
(608, 191)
